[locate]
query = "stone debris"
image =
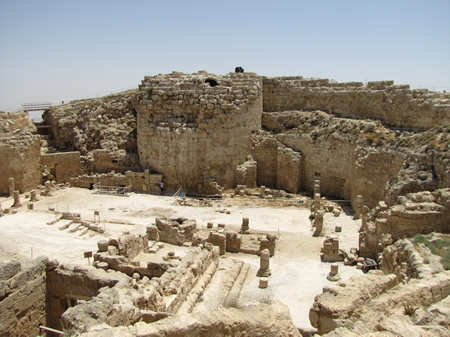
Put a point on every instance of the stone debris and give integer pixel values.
(330, 251)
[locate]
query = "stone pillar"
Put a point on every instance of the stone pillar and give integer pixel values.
(364, 215)
(264, 262)
(11, 186)
(245, 227)
(96, 216)
(316, 186)
(316, 201)
(358, 206)
(33, 196)
(147, 179)
(268, 243)
(334, 276)
(129, 176)
(318, 223)
(17, 202)
(263, 282)
(48, 188)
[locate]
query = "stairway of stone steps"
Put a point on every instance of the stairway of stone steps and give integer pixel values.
(70, 226)
(225, 286)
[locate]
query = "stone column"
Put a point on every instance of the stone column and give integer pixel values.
(245, 227)
(17, 202)
(33, 196)
(129, 176)
(264, 262)
(334, 276)
(11, 186)
(48, 188)
(358, 206)
(364, 215)
(318, 223)
(316, 202)
(316, 186)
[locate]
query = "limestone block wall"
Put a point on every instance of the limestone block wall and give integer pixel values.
(422, 212)
(65, 287)
(278, 166)
(23, 301)
(396, 105)
(140, 181)
(19, 160)
(106, 161)
(372, 170)
(64, 165)
(289, 169)
(246, 173)
(330, 161)
(265, 152)
(193, 131)
(123, 305)
(107, 123)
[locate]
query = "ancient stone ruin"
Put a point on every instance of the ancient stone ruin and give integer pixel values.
(333, 198)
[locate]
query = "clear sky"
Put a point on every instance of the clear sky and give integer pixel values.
(55, 50)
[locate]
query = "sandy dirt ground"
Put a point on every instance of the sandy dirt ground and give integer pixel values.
(297, 277)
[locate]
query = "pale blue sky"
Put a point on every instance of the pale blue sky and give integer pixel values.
(53, 50)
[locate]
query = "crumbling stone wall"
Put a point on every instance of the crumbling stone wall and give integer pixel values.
(372, 303)
(65, 287)
(289, 169)
(191, 131)
(23, 299)
(265, 152)
(175, 231)
(123, 305)
(246, 173)
(19, 152)
(140, 181)
(278, 166)
(64, 165)
(329, 160)
(396, 105)
(107, 123)
(422, 212)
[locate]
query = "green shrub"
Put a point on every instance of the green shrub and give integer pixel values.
(149, 92)
(420, 238)
(438, 247)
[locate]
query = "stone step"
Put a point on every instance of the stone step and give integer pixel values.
(198, 290)
(233, 295)
(220, 286)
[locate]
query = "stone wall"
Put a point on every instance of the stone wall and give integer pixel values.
(123, 305)
(265, 152)
(107, 123)
(192, 131)
(422, 212)
(374, 303)
(20, 160)
(19, 152)
(140, 181)
(63, 166)
(329, 160)
(66, 287)
(289, 169)
(23, 300)
(396, 105)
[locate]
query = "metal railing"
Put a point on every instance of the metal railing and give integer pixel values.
(113, 190)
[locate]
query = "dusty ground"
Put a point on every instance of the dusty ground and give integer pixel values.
(297, 273)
